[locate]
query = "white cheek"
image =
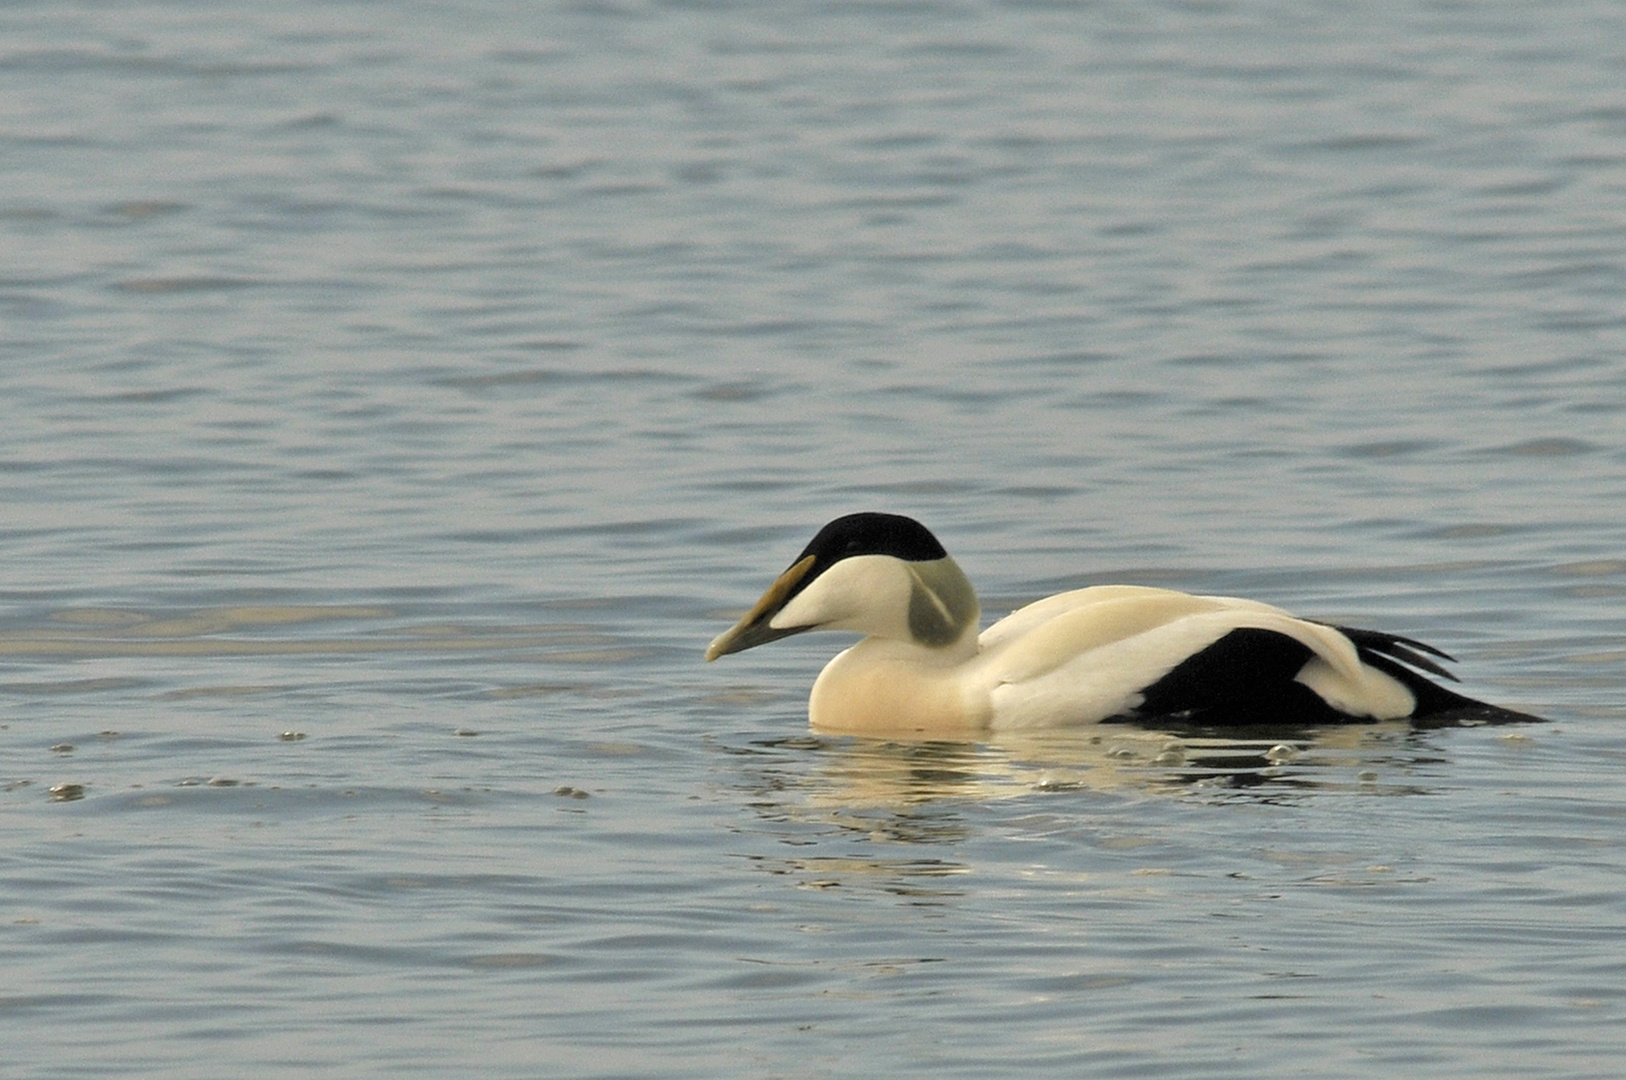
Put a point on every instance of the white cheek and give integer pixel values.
(867, 593)
(810, 607)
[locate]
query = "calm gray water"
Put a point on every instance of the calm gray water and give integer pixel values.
(395, 399)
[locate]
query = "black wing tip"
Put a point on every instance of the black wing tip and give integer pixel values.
(1408, 651)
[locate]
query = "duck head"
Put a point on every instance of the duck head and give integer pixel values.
(881, 575)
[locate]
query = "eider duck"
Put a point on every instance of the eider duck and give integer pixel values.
(1111, 652)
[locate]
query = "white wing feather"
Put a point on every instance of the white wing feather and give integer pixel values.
(1087, 654)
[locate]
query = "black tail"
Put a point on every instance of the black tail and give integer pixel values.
(1397, 656)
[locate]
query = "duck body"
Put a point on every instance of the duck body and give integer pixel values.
(1103, 653)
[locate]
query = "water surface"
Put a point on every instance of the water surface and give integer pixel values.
(394, 406)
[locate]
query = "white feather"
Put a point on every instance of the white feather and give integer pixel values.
(1087, 655)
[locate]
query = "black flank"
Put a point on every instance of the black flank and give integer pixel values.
(1246, 680)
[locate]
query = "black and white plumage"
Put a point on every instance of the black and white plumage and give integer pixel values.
(1102, 653)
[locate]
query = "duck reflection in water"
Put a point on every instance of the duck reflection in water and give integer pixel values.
(835, 778)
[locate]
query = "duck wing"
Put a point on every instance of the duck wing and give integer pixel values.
(1407, 650)
(1115, 651)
